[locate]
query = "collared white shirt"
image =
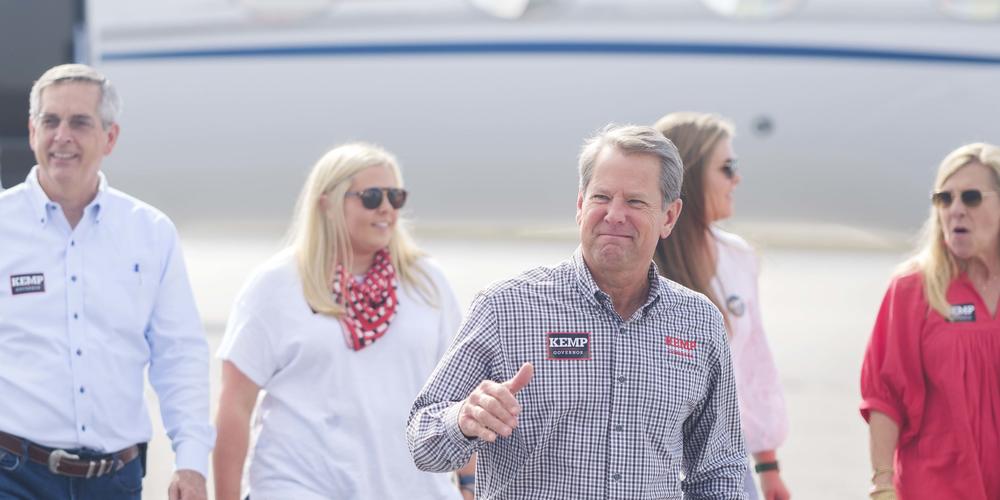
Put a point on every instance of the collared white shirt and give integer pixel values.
(637, 408)
(332, 421)
(84, 311)
(762, 401)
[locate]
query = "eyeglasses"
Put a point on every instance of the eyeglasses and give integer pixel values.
(970, 198)
(729, 168)
(371, 198)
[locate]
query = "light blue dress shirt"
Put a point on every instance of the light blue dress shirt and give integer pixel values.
(83, 312)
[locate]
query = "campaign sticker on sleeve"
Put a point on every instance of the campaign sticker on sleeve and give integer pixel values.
(568, 345)
(963, 313)
(27, 283)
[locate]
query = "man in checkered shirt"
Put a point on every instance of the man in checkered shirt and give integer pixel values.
(596, 378)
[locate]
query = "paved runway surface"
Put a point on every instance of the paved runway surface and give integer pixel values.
(818, 308)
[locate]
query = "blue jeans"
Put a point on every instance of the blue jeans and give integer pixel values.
(23, 479)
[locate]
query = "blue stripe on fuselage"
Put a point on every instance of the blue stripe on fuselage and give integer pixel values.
(564, 48)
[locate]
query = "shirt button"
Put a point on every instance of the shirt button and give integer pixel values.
(616, 476)
(72, 278)
(79, 352)
(621, 379)
(82, 390)
(83, 427)
(72, 243)
(617, 427)
(75, 316)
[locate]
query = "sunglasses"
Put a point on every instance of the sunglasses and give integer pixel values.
(729, 168)
(970, 198)
(371, 198)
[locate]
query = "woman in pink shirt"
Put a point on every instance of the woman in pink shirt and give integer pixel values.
(722, 266)
(931, 377)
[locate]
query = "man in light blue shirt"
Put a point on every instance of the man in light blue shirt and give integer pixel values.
(93, 292)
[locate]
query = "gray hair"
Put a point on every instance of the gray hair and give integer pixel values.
(110, 104)
(635, 139)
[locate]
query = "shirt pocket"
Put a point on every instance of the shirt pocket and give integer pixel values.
(121, 291)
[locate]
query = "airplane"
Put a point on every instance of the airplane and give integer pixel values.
(843, 108)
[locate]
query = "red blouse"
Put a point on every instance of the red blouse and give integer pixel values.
(939, 380)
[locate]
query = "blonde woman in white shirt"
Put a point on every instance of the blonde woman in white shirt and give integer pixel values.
(723, 266)
(339, 331)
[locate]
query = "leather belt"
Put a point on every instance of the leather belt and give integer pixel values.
(67, 464)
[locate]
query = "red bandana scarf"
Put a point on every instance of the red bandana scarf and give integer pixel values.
(369, 305)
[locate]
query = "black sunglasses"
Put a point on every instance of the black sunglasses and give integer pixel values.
(970, 198)
(729, 168)
(371, 198)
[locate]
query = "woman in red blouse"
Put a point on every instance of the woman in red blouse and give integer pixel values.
(931, 376)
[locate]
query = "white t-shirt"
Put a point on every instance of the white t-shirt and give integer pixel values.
(762, 402)
(332, 421)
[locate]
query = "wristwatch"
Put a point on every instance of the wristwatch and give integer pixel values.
(765, 466)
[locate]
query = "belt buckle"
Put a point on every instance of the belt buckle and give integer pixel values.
(56, 456)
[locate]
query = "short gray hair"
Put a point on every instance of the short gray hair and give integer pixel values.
(110, 104)
(635, 139)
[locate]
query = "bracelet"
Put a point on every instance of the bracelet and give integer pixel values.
(884, 493)
(765, 466)
(881, 470)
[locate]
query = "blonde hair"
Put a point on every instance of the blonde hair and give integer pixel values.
(935, 263)
(319, 238)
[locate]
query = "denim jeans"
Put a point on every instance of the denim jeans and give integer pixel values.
(22, 479)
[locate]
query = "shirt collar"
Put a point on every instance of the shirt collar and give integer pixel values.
(43, 206)
(596, 296)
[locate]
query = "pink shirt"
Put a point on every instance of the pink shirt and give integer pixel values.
(939, 381)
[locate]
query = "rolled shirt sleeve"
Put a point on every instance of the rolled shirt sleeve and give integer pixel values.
(892, 380)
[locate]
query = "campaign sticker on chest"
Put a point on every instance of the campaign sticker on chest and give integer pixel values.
(561, 345)
(963, 313)
(681, 347)
(27, 283)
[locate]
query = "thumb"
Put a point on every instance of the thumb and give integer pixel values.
(521, 378)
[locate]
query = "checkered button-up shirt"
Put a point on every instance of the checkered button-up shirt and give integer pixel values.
(617, 408)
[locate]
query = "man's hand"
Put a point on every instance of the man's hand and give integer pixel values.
(772, 486)
(187, 485)
(491, 409)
